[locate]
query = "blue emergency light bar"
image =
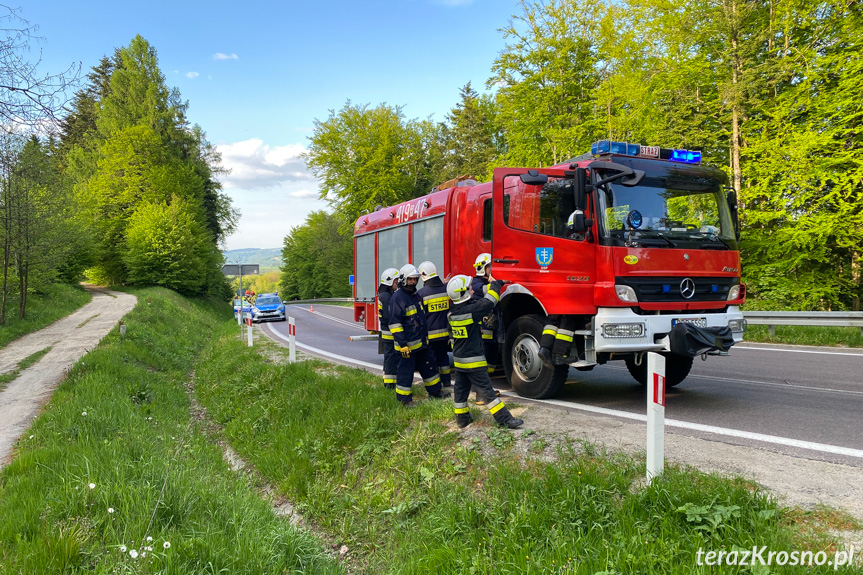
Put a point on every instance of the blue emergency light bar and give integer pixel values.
(639, 151)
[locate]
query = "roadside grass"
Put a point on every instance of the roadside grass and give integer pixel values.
(407, 492)
(115, 476)
(806, 335)
(5, 378)
(42, 310)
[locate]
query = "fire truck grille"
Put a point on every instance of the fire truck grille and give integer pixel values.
(679, 289)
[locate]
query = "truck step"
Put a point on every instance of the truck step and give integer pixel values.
(583, 332)
(583, 363)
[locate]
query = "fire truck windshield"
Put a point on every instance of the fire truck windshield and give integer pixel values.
(666, 211)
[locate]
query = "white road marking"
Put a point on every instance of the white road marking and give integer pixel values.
(860, 355)
(336, 319)
(787, 441)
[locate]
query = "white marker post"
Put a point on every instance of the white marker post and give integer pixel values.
(249, 320)
(655, 415)
(292, 340)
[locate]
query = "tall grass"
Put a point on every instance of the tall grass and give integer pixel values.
(42, 309)
(406, 490)
(116, 467)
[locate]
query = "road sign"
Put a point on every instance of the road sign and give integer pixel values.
(237, 270)
(350, 280)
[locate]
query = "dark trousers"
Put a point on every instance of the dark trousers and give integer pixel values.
(481, 382)
(391, 363)
(557, 334)
(440, 350)
(420, 359)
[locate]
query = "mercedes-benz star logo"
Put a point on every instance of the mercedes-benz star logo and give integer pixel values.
(687, 288)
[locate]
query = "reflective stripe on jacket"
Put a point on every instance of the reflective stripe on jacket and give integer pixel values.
(436, 306)
(407, 320)
(464, 321)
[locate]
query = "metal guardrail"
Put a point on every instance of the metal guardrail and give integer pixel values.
(321, 300)
(822, 318)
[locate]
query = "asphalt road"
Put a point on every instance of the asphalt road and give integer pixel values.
(808, 400)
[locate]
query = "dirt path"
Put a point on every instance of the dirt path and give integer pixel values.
(69, 339)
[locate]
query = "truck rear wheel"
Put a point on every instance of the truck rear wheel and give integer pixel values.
(521, 362)
(676, 369)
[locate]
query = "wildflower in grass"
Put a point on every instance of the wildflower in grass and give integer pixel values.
(110, 510)
(92, 486)
(148, 548)
(84, 413)
(31, 437)
(133, 554)
(149, 539)
(122, 548)
(166, 545)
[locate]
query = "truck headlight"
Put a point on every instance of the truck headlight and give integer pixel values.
(625, 293)
(623, 330)
(734, 292)
(738, 325)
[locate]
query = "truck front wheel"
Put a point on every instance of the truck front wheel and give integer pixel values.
(676, 369)
(522, 364)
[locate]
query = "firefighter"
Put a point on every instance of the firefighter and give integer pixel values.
(480, 284)
(389, 280)
(410, 334)
(465, 317)
(436, 306)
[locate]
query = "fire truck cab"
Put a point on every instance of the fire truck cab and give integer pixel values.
(637, 244)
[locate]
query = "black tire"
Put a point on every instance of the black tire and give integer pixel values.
(522, 365)
(676, 369)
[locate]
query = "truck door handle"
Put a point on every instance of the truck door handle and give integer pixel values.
(504, 261)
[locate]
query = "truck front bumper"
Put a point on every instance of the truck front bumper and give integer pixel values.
(620, 330)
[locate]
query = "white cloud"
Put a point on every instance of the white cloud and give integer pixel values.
(304, 194)
(271, 187)
(192, 74)
(254, 164)
(220, 56)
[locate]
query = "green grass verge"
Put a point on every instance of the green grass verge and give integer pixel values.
(409, 494)
(116, 459)
(42, 309)
(806, 335)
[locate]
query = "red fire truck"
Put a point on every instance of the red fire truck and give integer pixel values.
(637, 243)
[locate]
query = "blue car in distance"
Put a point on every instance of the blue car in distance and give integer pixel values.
(268, 306)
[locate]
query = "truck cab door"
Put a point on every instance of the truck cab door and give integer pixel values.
(533, 246)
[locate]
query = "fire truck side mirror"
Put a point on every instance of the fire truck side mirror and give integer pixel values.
(533, 178)
(731, 198)
(580, 188)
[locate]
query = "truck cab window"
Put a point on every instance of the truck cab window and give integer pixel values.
(540, 209)
(486, 220)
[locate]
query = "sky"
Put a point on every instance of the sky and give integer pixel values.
(258, 74)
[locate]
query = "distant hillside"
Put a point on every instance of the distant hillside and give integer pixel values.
(268, 259)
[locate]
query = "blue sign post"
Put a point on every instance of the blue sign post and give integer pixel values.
(351, 279)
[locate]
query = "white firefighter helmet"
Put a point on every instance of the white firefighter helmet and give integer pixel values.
(482, 260)
(458, 289)
(389, 275)
(408, 271)
(427, 270)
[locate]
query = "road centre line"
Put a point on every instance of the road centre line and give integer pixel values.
(789, 386)
(738, 346)
(787, 441)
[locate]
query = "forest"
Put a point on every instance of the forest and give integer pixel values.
(769, 91)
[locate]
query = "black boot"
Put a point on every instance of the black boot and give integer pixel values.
(545, 356)
(463, 419)
(505, 419)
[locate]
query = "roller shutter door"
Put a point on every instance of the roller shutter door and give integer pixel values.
(428, 244)
(393, 248)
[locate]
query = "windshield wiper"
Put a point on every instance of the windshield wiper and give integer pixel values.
(659, 235)
(715, 242)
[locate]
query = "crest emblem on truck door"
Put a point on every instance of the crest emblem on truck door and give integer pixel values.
(544, 256)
